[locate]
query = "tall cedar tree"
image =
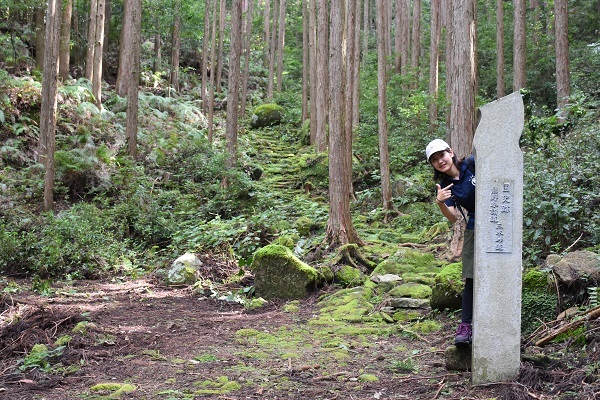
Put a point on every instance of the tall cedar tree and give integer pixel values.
(500, 80)
(233, 94)
(212, 80)
(205, 43)
(384, 154)
(563, 83)
(340, 229)
(520, 45)
(49, 100)
(305, 58)
(434, 62)
(247, 55)
(65, 40)
(280, 44)
(312, 12)
(322, 77)
(133, 16)
(272, 51)
(175, 47)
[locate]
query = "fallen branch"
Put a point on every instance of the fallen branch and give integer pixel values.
(587, 316)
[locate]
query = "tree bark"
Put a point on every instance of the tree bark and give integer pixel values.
(280, 44)
(403, 36)
(97, 59)
(366, 30)
(416, 40)
(340, 229)
(247, 55)
(175, 47)
(134, 14)
(267, 31)
(107, 17)
(211, 84)
(563, 82)
(305, 58)
(205, 44)
(500, 81)
(356, 70)
(234, 83)
(272, 51)
(126, 49)
(322, 77)
(384, 157)
(49, 99)
(39, 38)
(65, 41)
(520, 45)
(91, 40)
(219, 65)
(312, 4)
(434, 58)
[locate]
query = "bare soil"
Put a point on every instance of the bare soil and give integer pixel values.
(170, 343)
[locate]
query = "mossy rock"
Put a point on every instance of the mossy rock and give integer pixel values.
(411, 290)
(447, 290)
(408, 261)
(538, 300)
(267, 115)
(278, 273)
(304, 225)
(348, 276)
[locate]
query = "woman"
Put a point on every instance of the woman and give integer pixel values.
(455, 192)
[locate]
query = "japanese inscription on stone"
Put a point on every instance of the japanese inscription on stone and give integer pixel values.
(500, 218)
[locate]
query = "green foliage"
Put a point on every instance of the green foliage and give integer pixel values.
(561, 193)
(40, 357)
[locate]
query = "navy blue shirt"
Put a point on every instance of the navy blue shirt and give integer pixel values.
(463, 191)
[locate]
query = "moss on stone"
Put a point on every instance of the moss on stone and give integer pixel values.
(425, 327)
(267, 115)
(349, 276)
(447, 291)
(406, 315)
(367, 378)
(280, 274)
(412, 290)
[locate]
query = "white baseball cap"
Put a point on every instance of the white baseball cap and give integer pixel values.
(434, 146)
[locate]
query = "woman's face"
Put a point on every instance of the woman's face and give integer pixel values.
(442, 160)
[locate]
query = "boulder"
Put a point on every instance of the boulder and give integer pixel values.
(458, 358)
(184, 270)
(575, 266)
(447, 290)
(267, 115)
(278, 273)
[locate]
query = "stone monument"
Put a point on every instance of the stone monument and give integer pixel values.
(498, 241)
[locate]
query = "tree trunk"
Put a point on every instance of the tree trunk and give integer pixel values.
(219, 71)
(211, 84)
(434, 58)
(563, 83)
(91, 39)
(356, 70)
(156, 65)
(272, 51)
(65, 41)
(175, 47)
(322, 77)
(135, 17)
(49, 99)
(312, 4)
(520, 47)
(247, 55)
(305, 59)
(462, 110)
(404, 35)
(340, 229)
(107, 17)
(366, 30)
(126, 48)
(234, 82)
(280, 45)
(97, 59)
(39, 38)
(416, 40)
(267, 32)
(205, 43)
(500, 82)
(384, 155)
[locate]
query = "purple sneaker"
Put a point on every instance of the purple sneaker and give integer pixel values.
(463, 334)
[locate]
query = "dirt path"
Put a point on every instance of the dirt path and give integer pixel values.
(173, 344)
